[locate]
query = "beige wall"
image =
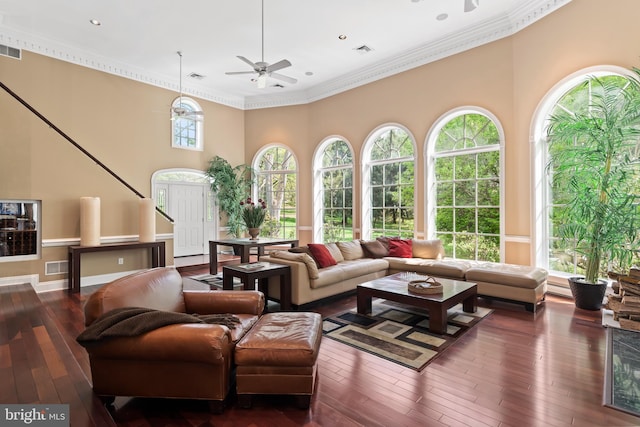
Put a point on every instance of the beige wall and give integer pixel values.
(125, 125)
(508, 78)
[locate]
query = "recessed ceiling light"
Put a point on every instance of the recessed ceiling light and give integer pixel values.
(95, 22)
(442, 16)
(342, 37)
(309, 73)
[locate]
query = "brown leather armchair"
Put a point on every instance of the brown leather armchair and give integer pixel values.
(191, 361)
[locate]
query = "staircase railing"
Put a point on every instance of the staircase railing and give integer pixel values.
(79, 147)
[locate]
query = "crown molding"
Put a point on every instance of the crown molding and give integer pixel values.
(451, 44)
(52, 49)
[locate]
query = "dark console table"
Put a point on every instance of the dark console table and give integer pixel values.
(242, 247)
(75, 252)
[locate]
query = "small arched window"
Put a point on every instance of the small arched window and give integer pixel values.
(186, 124)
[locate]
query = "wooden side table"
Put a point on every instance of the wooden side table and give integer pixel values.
(261, 271)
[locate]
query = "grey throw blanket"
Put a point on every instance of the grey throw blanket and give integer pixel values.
(133, 321)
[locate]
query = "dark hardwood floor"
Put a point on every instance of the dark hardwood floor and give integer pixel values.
(513, 369)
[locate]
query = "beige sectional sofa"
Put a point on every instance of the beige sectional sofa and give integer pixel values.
(355, 265)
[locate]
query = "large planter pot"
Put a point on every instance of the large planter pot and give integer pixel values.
(587, 296)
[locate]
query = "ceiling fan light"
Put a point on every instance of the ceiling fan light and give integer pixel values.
(262, 81)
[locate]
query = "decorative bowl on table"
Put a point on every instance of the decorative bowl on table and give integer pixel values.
(425, 286)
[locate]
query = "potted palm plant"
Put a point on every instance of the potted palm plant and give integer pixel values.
(230, 184)
(595, 175)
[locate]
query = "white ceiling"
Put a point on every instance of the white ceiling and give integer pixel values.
(138, 39)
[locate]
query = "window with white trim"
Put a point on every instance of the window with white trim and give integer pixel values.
(276, 181)
(388, 180)
(464, 186)
(186, 124)
(574, 95)
(333, 184)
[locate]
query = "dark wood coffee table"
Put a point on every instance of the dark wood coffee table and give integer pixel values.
(394, 288)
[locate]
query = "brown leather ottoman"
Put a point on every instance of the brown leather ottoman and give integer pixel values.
(278, 356)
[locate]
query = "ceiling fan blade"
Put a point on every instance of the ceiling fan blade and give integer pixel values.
(253, 65)
(231, 73)
(470, 5)
(278, 66)
(283, 78)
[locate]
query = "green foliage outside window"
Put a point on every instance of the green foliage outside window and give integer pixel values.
(392, 184)
(467, 185)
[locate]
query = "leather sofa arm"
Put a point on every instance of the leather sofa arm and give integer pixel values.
(192, 342)
(213, 302)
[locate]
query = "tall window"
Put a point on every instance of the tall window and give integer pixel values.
(333, 185)
(573, 95)
(388, 183)
(276, 170)
(186, 124)
(464, 186)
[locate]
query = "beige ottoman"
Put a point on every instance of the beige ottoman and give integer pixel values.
(278, 356)
(509, 282)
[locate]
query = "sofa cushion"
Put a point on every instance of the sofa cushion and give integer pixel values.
(447, 268)
(335, 251)
(374, 249)
(312, 267)
(348, 270)
(428, 249)
(351, 250)
(519, 276)
(400, 248)
(302, 250)
(322, 255)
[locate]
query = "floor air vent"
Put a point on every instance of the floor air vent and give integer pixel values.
(56, 267)
(11, 52)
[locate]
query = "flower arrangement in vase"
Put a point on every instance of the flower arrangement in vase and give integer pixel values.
(253, 215)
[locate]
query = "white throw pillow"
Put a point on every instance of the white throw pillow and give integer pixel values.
(312, 267)
(351, 250)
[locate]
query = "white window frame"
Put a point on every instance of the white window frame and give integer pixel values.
(365, 176)
(430, 158)
(196, 120)
(539, 157)
(318, 187)
(256, 167)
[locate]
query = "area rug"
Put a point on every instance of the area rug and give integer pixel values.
(622, 370)
(399, 332)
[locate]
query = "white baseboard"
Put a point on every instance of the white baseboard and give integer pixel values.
(62, 284)
(31, 279)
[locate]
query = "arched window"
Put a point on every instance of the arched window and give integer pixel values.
(186, 124)
(276, 179)
(388, 177)
(574, 95)
(333, 191)
(464, 186)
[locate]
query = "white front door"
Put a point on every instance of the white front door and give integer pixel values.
(186, 207)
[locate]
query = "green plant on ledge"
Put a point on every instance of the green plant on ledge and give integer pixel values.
(595, 169)
(230, 184)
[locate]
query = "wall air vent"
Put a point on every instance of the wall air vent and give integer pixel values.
(363, 49)
(196, 76)
(56, 267)
(11, 52)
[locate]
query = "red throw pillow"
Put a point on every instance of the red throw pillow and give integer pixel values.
(321, 254)
(401, 248)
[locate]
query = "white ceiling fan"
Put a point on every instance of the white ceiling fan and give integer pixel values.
(471, 5)
(264, 69)
(180, 111)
